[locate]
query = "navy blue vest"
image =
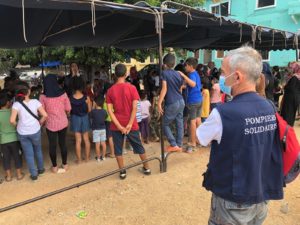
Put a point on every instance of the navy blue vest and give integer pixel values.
(246, 167)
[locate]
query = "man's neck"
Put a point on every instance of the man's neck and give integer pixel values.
(192, 71)
(121, 80)
(244, 89)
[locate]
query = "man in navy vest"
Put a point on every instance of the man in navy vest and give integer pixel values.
(245, 166)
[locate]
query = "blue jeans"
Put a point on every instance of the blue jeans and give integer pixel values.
(173, 112)
(32, 148)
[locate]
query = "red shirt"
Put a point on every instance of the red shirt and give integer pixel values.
(121, 96)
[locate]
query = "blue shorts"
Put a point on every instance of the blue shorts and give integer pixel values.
(80, 124)
(134, 140)
(99, 136)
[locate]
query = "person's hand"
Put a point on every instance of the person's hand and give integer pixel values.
(128, 128)
(160, 110)
(122, 129)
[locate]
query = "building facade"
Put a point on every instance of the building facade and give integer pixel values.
(277, 14)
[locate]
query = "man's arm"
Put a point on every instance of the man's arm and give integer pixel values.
(162, 95)
(211, 129)
(189, 81)
(132, 116)
(114, 118)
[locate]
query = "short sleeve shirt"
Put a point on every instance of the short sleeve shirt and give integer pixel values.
(27, 124)
(121, 96)
(194, 93)
(145, 108)
(56, 109)
(174, 83)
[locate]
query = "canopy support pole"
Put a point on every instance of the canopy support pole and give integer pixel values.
(297, 55)
(41, 51)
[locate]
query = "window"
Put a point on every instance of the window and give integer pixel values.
(265, 54)
(220, 54)
(206, 56)
(222, 9)
(196, 54)
(265, 3)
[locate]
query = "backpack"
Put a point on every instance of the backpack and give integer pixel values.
(290, 149)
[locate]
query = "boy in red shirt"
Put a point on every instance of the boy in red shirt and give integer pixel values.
(122, 101)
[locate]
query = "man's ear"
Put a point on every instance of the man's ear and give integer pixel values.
(240, 77)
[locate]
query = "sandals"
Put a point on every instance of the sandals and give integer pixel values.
(21, 177)
(8, 179)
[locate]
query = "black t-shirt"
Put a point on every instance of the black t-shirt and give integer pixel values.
(97, 117)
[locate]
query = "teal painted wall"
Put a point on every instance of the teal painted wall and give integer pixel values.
(277, 17)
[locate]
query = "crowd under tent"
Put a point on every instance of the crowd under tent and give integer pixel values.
(28, 23)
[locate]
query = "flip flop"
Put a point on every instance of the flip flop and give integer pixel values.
(21, 177)
(8, 179)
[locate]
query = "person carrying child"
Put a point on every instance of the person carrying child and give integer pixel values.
(122, 101)
(10, 146)
(97, 118)
(29, 127)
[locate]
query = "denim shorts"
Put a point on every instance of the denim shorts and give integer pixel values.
(134, 140)
(194, 111)
(99, 136)
(80, 124)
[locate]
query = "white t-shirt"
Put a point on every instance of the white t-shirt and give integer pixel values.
(211, 129)
(145, 107)
(27, 124)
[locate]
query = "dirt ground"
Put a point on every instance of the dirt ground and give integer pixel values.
(172, 198)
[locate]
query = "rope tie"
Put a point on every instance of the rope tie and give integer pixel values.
(253, 35)
(188, 16)
(241, 32)
(93, 11)
(23, 18)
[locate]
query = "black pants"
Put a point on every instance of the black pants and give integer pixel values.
(9, 150)
(52, 138)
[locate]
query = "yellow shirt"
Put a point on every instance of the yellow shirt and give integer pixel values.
(205, 103)
(108, 119)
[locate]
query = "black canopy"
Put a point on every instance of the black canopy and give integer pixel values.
(97, 23)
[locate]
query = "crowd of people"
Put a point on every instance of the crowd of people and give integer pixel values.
(188, 98)
(189, 92)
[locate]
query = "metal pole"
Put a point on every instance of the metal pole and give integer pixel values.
(160, 54)
(297, 55)
(78, 184)
(41, 51)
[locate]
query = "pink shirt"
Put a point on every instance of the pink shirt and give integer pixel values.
(216, 95)
(56, 109)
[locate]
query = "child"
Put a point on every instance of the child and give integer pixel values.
(10, 146)
(98, 116)
(108, 133)
(145, 110)
(81, 106)
(206, 102)
(154, 122)
(29, 127)
(122, 97)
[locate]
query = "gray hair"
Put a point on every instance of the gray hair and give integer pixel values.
(246, 59)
